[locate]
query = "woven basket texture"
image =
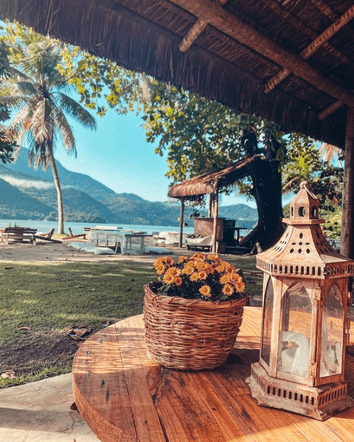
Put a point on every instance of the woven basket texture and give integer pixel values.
(190, 334)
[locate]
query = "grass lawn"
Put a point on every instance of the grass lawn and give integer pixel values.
(43, 306)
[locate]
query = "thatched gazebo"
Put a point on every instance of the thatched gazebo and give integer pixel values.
(210, 183)
(290, 62)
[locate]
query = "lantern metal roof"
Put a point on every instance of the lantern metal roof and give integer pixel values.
(303, 250)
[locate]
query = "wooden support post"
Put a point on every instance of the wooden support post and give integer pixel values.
(215, 225)
(210, 210)
(181, 223)
(347, 236)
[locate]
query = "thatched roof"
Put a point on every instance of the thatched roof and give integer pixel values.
(210, 182)
(290, 62)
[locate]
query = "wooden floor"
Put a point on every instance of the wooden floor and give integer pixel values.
(124, 396)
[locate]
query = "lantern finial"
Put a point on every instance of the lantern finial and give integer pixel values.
(305, 205)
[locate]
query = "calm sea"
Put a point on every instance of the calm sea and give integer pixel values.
(77, 228)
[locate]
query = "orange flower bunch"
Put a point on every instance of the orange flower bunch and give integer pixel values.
(202, 276)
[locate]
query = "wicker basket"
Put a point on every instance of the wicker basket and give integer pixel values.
(190, 334)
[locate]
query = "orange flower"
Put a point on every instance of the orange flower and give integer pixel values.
(210, 269)
(159, 266)
(182, 259)
(170, 275)
(160, 269)
(205, 291)
(240, 286)
(174, 271)
(194, 277)
(198, 256)
(220, 268)
(158, 262)
(230, 268)
(228, 290)
(177, 280)
(237, 281)
(168, 278)
(188, 269)
(168, 261)
(213, 257)
(201, 265)
(203, 274)
(225, 278)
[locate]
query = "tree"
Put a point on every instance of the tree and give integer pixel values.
(38, 95)
(6, 144)
(200, 135)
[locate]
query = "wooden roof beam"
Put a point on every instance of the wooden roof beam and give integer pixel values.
(195, 31)
(304, 28)
(313, 46)
(325, 9)
(329, 110)
(230, 25)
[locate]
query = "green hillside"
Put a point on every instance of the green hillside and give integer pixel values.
(20, 205)
(29, 194)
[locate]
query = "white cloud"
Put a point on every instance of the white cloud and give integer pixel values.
(22, 183)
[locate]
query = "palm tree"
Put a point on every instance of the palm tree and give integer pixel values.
(331, 153)
(38, 95)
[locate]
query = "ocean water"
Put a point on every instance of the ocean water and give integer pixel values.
(77, 228)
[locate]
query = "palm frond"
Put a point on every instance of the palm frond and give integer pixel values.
(75, 110)
(42, 124)
(330, 153)
(26, 87)
(20, 119)
(14, 102)
(66, 132)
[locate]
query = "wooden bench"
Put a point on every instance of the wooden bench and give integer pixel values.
(18, 234)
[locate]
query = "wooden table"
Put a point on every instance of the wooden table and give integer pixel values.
(123, 396)
(119, 239)
(18, 235)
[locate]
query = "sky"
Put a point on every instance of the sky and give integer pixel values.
(117, 155)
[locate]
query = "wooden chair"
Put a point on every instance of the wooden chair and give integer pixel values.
(47, 237)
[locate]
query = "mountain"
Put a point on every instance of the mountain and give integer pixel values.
(29, 194)
(67, 178)
(17, 204)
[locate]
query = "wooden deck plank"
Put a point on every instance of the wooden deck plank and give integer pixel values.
(152, 403)
(135, 362)
(100, 390)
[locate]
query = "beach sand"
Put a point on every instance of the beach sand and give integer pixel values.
(52, 253)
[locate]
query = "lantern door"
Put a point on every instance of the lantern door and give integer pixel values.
(297, 333)
(332, 332)
(267, 322)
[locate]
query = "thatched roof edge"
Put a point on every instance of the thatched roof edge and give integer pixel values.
(210, 182)
(108, 29)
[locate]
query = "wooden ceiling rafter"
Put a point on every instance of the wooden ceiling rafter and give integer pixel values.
(328, 12)
(280, 10)
(216, 16)
(195, 31)
(325, 9)
(313, 46)
(329, 110)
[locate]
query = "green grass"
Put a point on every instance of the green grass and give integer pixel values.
(47, 299)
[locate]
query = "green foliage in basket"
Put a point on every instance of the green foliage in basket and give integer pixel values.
(205, 277)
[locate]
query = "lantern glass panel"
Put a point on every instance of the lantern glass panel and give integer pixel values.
(332, 333)
(295, 332)
(267, 322)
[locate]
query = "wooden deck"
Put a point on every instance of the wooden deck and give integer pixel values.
(123, 396)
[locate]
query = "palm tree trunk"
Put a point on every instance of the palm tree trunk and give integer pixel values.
(59, 194)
